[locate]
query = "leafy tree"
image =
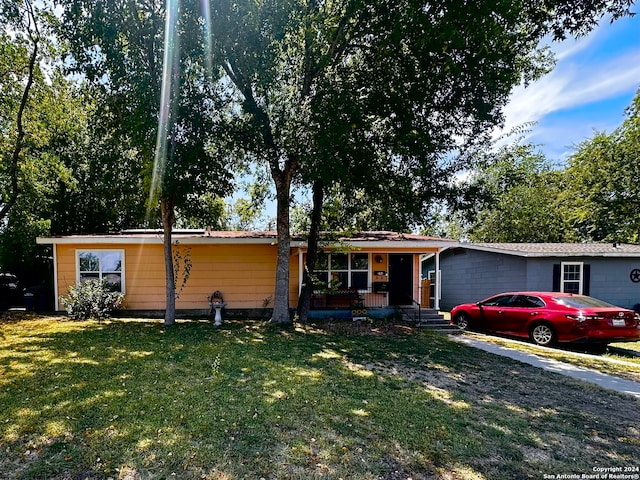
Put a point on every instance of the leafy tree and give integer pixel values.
(445, 224)
(247, 212)
(107, 192)
(417, 83)
(382, 88)
(20, 46)
(208, 210)
(515, 197)
(42, 174)
(603, 182)
(143, 65)
(528, 212)
(32, 121)
(518, 197)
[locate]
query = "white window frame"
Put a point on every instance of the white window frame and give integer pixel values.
(580, 281)
(349, 270)
(101, 272)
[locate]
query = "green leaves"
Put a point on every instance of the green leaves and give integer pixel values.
(604, 186)
(91, 299)
(516, 197)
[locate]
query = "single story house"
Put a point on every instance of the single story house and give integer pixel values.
(470, 272)
(378, 269)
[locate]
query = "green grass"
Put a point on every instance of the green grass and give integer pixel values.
(632, 346)
(130, 399)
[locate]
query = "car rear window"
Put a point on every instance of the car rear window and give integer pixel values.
(583, 302)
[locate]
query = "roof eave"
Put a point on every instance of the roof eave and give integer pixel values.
(518, 253)
(150, 240)
(206, 240)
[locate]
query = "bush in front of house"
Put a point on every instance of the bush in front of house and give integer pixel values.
(91, 299)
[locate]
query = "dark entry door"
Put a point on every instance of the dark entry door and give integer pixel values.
(400, 279)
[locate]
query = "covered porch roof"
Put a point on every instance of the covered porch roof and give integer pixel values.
(381, 240)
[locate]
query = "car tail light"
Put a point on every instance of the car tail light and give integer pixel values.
(583, 318)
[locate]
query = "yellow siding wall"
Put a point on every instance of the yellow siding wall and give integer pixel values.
(66, 268)
(245, 274)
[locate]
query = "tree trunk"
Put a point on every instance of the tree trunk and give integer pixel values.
(312, 252)
(282, 178)
(167, 211)
(281, 296)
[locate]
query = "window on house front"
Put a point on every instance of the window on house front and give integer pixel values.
(343, 270)
(102, 265)
(571, 277)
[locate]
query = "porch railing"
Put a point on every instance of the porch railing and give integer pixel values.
(409, 306)
(348, 298)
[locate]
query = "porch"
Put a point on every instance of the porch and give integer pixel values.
(351, 304)
(374, 278)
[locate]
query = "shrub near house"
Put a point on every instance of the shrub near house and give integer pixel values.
(92, 299)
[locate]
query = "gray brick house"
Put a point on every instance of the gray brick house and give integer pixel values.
(470, 272)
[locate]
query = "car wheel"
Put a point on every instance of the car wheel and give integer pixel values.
(462, 321)
(542, 334)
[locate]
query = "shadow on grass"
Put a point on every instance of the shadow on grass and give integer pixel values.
(133, 399)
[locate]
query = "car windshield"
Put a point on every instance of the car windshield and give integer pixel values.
(583, 302)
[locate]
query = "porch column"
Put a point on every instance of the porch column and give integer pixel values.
(436, 294)
(300, 272)
(55, 277)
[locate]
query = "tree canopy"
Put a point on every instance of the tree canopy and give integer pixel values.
(516, 196)
(603, 182)
(375, 93)
(144, 64)
(374, 103)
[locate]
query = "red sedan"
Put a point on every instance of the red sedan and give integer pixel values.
(550, 317)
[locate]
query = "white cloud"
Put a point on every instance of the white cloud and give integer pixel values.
(579, 79)
(571, 86)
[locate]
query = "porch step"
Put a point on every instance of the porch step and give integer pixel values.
(431, 320)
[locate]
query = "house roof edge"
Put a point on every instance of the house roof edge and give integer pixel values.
(546, 250)
(380, 239)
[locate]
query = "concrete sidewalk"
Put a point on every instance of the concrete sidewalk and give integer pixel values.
(592, 376)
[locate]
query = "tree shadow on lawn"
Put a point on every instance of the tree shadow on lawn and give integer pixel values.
(133, 399)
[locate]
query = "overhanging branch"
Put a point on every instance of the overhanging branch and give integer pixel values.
(34, 36)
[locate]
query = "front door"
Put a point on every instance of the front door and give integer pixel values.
(400, 279)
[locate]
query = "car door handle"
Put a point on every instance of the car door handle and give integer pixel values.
(533, 313)
(500, 312)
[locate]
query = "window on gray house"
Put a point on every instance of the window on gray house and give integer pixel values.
(571, 280)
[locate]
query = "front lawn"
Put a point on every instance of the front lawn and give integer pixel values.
(130, 399)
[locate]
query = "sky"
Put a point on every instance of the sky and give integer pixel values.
(594, 80)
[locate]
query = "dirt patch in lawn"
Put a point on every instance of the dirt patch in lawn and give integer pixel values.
(349, 327)
(534, 418)
(571, 419)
